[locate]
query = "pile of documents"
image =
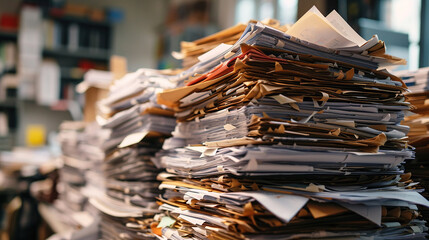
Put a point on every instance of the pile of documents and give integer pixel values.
(289, 135)
(190, 51)
(80, 178)
(331, 31)
(138, 127)
(417, 82)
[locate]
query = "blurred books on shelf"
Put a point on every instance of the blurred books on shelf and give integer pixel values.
(30, 47)
(74, 36)
(48, 83)
(9, 24)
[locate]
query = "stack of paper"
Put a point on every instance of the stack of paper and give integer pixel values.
(369, 55)
(138, 128)
(288, 139)
(419, 125)
(190, 51)
(80, 178)
(417, 81)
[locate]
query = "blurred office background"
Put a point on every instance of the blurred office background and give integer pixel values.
(46, 47)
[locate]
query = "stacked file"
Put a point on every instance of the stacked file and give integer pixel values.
(80, 177)
(352, 50)
(138, 127)
(417, 81)
(190, 51)
(284, 139)
(419, 126)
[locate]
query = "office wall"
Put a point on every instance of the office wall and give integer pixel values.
(224, 11)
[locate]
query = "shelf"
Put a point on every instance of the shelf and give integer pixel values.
(8, 35)
(71, 79)
(8, 103)
(79, 20)
(92, 54)
(8, 71)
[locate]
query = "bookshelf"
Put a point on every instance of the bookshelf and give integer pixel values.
(76, 43)
(79, 20)
(8, 103)
(91, 54)
(7, 35)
